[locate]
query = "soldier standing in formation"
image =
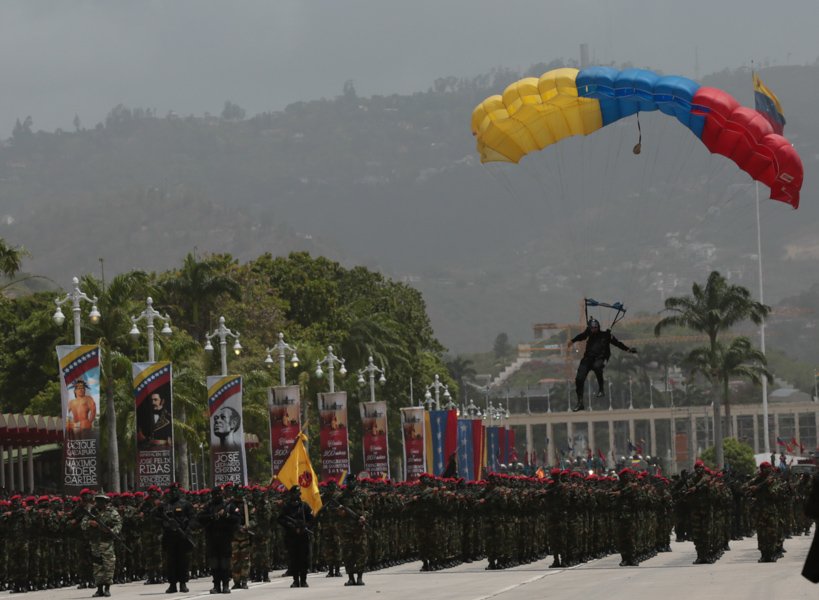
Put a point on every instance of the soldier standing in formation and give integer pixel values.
(102, 525)
(372, 524)
(297, 519)
(766, 492)
(176, 515)
(219, 522)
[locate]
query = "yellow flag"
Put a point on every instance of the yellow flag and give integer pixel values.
(297, 470)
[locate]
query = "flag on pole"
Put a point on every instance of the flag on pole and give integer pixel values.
(298, 470)
(768, 105)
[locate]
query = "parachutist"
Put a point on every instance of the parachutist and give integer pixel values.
(637, 148)
(598, 351)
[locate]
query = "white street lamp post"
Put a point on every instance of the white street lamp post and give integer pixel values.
(75, 296)
(371, 369)
(330, 361)
(149, 314)
(281, 346)
(222, 332)
(437, 386)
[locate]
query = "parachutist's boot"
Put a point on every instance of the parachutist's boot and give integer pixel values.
(579, 406)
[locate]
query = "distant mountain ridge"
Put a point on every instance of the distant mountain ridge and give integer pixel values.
(393, 182)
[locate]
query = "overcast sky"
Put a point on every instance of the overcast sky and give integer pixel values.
(65, 57)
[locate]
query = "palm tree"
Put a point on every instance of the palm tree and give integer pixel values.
(193, 291)
(11, 259)
(461, 370)
(117, 302)
(712, 309)
(739, 360)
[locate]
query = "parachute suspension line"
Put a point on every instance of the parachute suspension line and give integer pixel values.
(503, 180)
(682, 166)
(639, 145)
(616, 306)
(573, 250)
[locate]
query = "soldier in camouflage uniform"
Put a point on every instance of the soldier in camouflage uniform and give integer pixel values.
(700, 498)
(131, 525)
(16, 526)
(151, 531)
(260, 513)
(765, 491)
(328, 524)
(558, 507)
(240, 546)
(102, 526)
(626, 505)
(352, 517)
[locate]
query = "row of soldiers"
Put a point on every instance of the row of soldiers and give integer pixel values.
(237, 534)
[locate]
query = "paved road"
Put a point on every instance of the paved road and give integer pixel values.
(668, 576)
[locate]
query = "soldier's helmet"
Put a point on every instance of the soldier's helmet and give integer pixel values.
(102, 497)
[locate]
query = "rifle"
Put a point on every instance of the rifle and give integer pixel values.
(335, 504)
(293, 523)
(247, 520)
(175, 527)
(105, 529)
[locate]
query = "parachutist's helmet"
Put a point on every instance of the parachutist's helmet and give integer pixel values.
(594, 323)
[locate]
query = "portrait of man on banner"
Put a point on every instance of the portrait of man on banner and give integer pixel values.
(226, 429)
(81, 414)
(154, 424)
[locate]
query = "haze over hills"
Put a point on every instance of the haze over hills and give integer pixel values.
(394, 182)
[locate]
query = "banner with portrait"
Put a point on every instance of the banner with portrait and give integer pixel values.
(153, 398)
(284, 407)
(375, 443)
(228, 463)
(335, 445)
(413, 431)
(80, 393)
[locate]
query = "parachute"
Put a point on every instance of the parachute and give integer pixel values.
(534, 113)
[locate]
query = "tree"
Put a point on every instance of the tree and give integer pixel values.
(738, 457)
(738, 360)
(502, 347)
(232, 112)
(11, 259)
(117, 302)
(461, 370)
(712, 309)
(194, 290)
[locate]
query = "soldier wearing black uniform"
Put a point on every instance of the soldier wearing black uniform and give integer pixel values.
(297, 519)
(598, 352)
(177, 517)
(219, 521)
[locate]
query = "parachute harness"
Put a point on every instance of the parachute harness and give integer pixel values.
(617, 306)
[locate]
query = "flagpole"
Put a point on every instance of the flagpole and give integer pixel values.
(762, 326)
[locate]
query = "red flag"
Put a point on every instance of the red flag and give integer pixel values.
(601, 455)
(451, 435)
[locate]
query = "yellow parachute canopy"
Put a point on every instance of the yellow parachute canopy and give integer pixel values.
(531, 114)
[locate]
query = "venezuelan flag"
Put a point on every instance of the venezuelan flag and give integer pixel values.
(768, 104)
